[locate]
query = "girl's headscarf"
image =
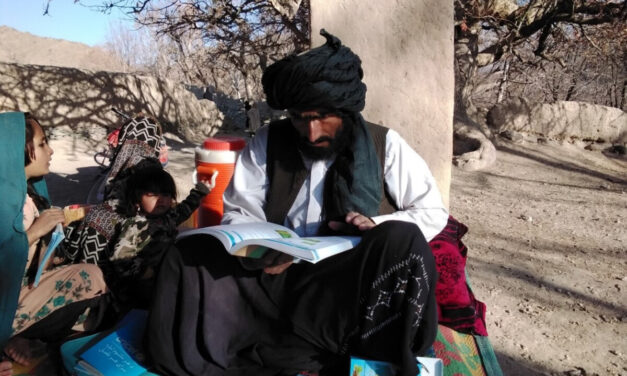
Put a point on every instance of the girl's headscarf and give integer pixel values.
(13, 240)
(140, 138)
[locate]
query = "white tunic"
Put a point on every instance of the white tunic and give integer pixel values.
(408, 181)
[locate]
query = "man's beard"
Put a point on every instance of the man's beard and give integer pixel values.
(336, 144)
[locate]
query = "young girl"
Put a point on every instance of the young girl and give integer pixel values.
(90, 239)
(50, 310)
(149, 203)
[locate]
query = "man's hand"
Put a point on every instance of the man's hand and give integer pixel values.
(353, 221)
(276, 262)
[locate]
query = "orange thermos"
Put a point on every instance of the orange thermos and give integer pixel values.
(217, 155)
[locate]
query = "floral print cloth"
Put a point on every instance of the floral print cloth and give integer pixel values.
(57, 287)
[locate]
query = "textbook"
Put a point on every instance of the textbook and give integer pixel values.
(118, 352)
(255, 239)
(365, 367)
(55, 239)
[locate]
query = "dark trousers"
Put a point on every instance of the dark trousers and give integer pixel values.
(211, 316)
(58, 325)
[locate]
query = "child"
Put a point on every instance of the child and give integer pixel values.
(50, 310)
(90, 240)
(149, 203)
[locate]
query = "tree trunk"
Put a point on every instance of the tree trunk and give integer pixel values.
(503, 83)
(472, 149)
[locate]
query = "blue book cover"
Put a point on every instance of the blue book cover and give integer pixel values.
(71, 349)
(366, 367)
(55, 239)
(120, 352)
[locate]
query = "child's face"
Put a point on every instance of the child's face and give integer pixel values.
(42, 155)
(155, 203)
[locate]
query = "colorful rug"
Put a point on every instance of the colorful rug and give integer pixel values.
(465, 354)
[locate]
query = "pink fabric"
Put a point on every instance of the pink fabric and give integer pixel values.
(30, 213)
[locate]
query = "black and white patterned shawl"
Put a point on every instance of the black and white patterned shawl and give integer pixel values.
(90, 239)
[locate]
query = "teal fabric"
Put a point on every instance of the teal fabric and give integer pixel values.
(13, 241)
(488, 358)
(363, 195)
(42, 189)
(485, 349)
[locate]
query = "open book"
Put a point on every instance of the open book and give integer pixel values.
(254, 239)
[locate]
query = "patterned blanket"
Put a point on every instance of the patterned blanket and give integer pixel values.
(465, 354)
(457, 306)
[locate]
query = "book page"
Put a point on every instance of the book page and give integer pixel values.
(232, 235)
(82, 368)
(311, 249)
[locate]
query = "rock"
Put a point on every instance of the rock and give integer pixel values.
(477, 153)
(562, 120)
(577, 371)
(526, 218)
(595, 146)
(513, 136)
(616, 149)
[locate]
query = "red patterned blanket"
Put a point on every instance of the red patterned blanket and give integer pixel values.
(457, 306)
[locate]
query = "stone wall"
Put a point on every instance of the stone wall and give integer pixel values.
(82, 99)
(563, 120)
(407, 51)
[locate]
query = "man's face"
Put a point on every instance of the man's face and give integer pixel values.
(320, 132)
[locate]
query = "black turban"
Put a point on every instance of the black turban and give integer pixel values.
(326, 77)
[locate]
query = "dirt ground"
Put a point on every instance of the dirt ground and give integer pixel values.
(547, 254)
(547, 247)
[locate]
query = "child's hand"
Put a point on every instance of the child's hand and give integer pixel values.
(43, 224)
(6, 368)
(210, 184)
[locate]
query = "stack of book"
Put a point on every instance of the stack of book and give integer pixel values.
(111, 353)
(119, 352)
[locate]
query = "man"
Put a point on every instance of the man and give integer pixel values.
(323, 170)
